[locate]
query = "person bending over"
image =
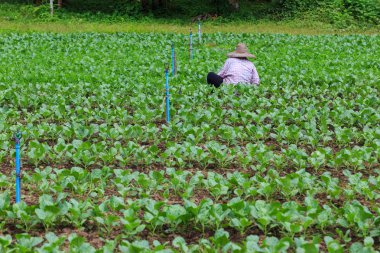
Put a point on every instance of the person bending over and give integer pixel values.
(237, 69)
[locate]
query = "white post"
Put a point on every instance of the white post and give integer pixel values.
(199, 31)
(51, 7)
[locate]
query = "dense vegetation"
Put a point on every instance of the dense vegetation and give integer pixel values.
(290, 165)
(341, 13)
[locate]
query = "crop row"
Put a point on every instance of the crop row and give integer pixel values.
(132, 218)
(219, 242)
(179, 184)
(210, 155)
(235, 201)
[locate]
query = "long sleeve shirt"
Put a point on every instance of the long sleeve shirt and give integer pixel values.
(237, 70)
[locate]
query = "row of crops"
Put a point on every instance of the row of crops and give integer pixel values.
(289, 166)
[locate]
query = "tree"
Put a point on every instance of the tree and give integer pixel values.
(148, 5)
(234, 3)
(39, 2)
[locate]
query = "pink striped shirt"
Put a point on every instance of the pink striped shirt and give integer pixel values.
(237, 70)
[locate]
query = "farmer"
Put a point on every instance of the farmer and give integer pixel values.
(237, 69)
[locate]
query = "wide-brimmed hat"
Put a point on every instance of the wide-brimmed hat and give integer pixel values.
(241, 51)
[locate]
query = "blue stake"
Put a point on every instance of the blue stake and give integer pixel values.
(191, 44)
(199, 31)
(17, 137)
(167, 95)
(174, 67)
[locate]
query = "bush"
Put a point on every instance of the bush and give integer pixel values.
(298, 5)
(341, 11)
(364, 10)
(105, 6)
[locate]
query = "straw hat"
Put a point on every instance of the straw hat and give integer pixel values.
(241, 51)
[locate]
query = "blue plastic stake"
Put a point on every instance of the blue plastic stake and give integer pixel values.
(167, 95)
(17, 137)
(174, 64)
(191, 44)
(199, 31)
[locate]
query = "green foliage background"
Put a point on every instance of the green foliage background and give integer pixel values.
(342, 13)
(335, 11)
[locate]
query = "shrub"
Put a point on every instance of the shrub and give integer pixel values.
(337, 11)
(364, 10)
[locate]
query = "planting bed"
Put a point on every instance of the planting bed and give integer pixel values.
(289, 166)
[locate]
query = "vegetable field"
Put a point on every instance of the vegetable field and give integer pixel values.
(289, 166)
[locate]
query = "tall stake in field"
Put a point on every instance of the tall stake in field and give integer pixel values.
(174, 61)
(167, 94)
(199, 31)
(51, 7)
(17, 138)
(191, 44)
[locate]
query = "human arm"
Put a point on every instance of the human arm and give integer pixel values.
(255, 79)
(223, 71)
